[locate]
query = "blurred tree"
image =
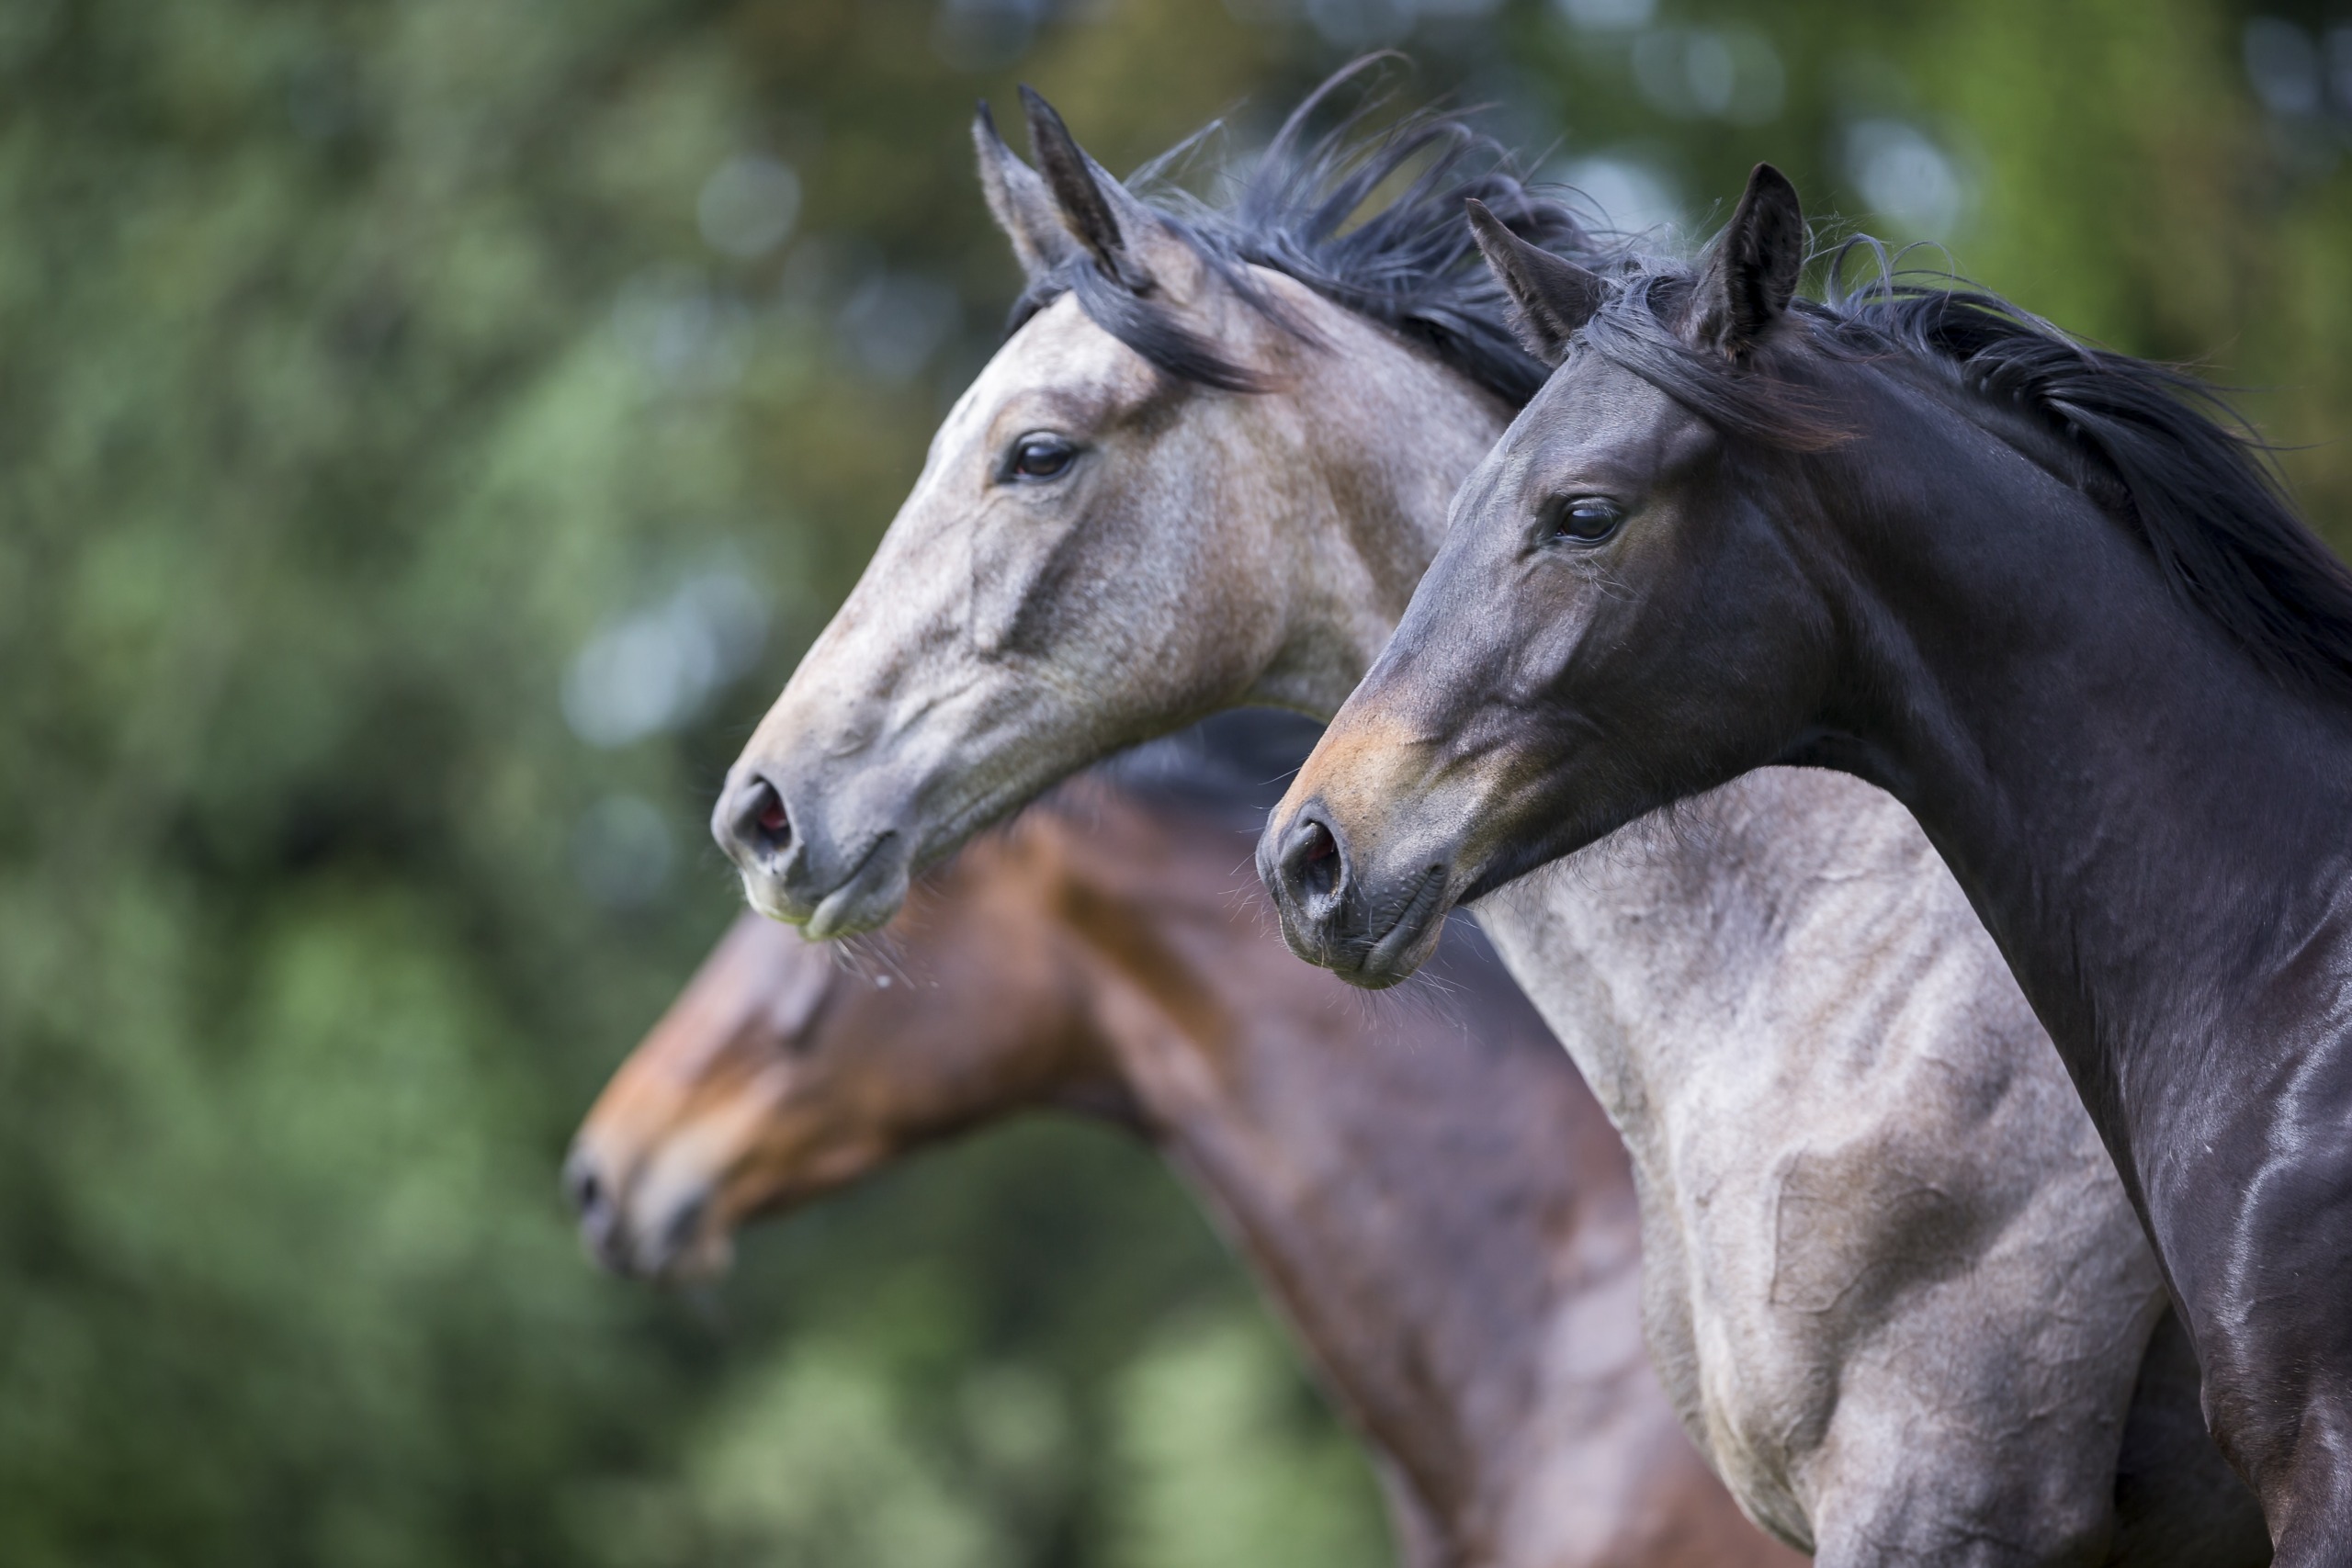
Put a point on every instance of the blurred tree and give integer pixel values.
(429, 434)
(392, 498)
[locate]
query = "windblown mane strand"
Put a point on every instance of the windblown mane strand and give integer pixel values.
(1410, 265)
(2200, 492)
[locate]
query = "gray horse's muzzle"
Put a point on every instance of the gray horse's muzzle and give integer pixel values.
(800, 865)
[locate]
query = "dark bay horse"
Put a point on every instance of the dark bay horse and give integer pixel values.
(2044, 593)
(1429, 1194)
(1890, 1279)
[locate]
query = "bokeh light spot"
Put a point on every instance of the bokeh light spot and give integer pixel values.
(748, 206)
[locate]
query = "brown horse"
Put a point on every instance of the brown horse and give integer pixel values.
(1435, 1201)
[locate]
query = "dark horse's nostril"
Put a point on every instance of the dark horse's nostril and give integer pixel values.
(762, 820)
(1317, 859)
(1313, 873)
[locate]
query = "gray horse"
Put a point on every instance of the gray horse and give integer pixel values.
(1891, 1280)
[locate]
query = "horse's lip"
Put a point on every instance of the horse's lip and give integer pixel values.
(681, 1239)
(836, 913)
(768, 888)
(1378, 966)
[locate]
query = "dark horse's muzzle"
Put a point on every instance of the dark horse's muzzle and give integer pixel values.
(1372, 927)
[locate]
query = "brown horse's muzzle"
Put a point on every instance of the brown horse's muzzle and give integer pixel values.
(657, 1222)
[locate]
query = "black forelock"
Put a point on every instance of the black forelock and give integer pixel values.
(1410, 262)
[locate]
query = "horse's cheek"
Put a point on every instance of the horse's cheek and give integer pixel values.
(1007, 604)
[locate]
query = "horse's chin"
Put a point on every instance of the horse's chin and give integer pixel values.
(1392, 959)
(869, 899)
(1372, 976)
(1398, 955)
(707, 1259)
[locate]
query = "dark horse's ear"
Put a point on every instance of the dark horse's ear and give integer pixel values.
(1019, 202)
(1551, 294)
(1095, 207)
(1751, 273)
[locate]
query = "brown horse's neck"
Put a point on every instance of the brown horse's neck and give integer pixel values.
(1424, 1196)
(1364, 446)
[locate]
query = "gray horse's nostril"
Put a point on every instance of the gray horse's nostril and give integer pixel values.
(761, 821)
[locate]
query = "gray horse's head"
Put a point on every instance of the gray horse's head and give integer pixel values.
(1149, 506)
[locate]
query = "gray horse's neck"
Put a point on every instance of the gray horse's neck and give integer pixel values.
(1466, 1272)
(1362, 455)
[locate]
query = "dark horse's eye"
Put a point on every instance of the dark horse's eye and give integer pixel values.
(1039, 458)
(1582, 519)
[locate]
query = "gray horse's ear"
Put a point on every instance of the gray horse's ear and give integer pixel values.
(1019, 202)
(1751, 272)
(1552, 296)
(1095, 207)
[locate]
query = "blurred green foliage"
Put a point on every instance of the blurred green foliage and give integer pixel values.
(429, 434)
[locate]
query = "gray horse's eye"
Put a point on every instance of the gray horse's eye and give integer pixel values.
(1035, 457)
(1581, 519)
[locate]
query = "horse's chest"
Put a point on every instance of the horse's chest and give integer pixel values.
(1854, 1159)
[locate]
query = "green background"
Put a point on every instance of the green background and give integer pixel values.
(384, 388)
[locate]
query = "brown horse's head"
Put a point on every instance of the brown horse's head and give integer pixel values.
(780, 1075)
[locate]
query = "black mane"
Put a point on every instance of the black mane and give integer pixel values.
(1232, 765)
(1410, 265)
(2190, 478)
(1228, 770)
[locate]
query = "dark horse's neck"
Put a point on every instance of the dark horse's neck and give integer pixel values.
(2155, 828)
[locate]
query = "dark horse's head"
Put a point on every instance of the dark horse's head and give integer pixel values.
(1431, 786)
(1721, 536)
